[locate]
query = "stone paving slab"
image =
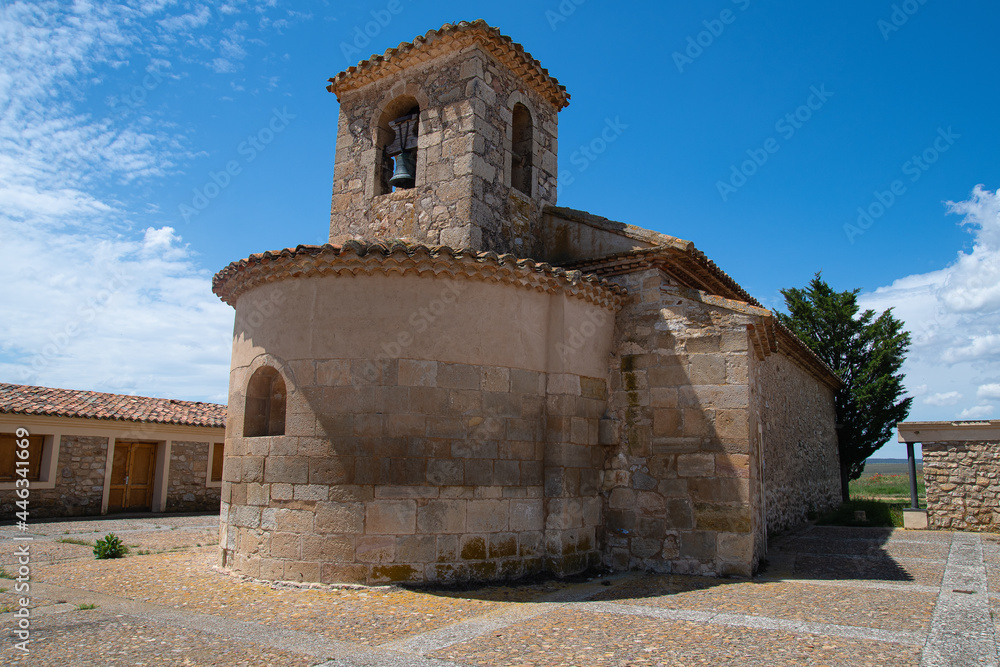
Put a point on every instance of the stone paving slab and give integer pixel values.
(873, 608)
(92, 636)
(578, 637)
(827, 597)
(58, 540)
(368, 616)
(9, 598)
(993, 577)
(893, 548)
(962, 631)
(912, 550)
(921, 571)
(991, 550)
(43, 551)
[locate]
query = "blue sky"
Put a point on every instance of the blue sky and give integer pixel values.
(762, 131)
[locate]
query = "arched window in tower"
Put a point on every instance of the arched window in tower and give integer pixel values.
(397, 144)
(521, 149)
(265, 406)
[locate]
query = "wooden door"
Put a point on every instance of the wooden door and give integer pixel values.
(132, 474)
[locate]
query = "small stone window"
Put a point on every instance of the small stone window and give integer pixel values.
(265, 407)
(396, 157)
(521, 149)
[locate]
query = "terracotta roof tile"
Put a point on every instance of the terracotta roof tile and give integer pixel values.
(449, 37)
(354, 257)
(29, 400)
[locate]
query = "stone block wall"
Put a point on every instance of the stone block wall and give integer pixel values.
(793, 414)
(188, 489)
(678, 482)
(410, 470)
(963, 485)
(463, 196)
(569, 236)
(573, 476)
(79, 482)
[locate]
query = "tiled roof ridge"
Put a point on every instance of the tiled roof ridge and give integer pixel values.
(615, 226)
(671, 249)
(695, 268)
(56, 402)
(499, 45)
(402, 257)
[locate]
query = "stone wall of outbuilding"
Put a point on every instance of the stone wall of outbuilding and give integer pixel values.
(81, 471)
(963, 485)
(187, 482)
(79, 482)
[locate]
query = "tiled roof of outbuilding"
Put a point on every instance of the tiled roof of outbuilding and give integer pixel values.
(30, 400)
(451, 37)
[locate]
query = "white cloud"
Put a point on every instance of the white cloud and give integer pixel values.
(977, 412)
(90, 301)
(989, 391)
(223, 66)
(953, 315)
(187, 22)
(116, 315)
(948, 398)
(977, 347)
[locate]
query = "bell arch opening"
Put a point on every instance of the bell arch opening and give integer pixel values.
(265, 404)
(521, 149)
(396, 143)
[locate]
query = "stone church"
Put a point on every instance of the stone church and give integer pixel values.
(469, 382)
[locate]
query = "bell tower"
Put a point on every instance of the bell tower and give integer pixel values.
(448, 140)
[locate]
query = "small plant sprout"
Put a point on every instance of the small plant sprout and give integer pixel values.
(109, 546)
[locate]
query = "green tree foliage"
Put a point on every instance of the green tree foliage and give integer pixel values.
(867, 352)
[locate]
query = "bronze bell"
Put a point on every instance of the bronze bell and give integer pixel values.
(404, 150)
(404, 175)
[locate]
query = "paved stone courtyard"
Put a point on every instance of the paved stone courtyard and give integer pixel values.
(829, 596)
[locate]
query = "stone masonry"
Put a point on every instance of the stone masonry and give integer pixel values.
(963, 485)
(790, 414)
(463, 195)
(422, 466)
(476, 384)
(678, 483)
(188, 479)
(79, 481)
(429, 471)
